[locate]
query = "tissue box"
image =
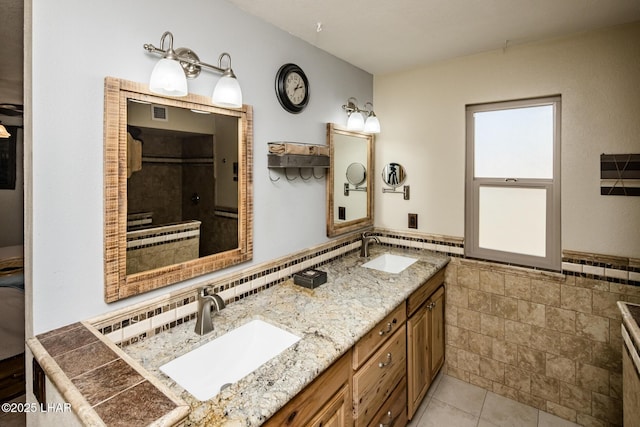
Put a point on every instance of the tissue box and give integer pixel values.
(310, 278)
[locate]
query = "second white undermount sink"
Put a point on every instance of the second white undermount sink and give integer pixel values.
(203, 372)
(390, 263)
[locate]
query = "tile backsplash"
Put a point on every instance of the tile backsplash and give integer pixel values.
(147, 319)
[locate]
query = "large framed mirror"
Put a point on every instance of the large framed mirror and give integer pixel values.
(350, 182)
(178, 188)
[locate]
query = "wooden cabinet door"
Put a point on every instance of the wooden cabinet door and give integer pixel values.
(336, 413)
(436, 306)
(418, 358)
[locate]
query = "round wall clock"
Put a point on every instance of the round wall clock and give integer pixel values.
(292, 88)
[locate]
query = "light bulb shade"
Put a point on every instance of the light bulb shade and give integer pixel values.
(355, 121)
(227, 92)
(372, 125)
(168, 78)
(4, 133)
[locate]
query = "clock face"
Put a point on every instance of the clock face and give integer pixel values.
(292, 88)
(295, 87)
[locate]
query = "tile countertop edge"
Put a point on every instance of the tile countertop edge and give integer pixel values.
(80, 406)
(631, 324)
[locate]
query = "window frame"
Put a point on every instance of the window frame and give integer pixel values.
(552, 259)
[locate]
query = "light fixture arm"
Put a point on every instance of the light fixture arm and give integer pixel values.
(188, 58)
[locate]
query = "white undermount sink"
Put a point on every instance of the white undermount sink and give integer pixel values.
(390, 263)
(228, 358)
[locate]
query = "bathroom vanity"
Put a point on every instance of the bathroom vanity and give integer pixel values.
(349, 366)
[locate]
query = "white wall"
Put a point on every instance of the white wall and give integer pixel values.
(422, 112)
(75, 45)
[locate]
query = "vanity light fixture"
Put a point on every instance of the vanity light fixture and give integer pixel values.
(356, 121)
(4, 133)
(169, 76)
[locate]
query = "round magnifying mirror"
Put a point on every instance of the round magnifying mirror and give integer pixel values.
(356, 174)
(393, 174)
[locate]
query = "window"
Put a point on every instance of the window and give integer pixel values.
(512, 211)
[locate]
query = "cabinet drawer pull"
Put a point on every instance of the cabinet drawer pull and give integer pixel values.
(389, 327)
(383, 364)
(390, 420)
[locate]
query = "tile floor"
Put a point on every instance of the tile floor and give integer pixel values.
(451, 402)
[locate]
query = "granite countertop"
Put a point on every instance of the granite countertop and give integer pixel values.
(330, 320)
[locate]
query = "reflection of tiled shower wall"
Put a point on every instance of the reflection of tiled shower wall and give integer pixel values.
(226, 232)
(156, 247)
(550, 340)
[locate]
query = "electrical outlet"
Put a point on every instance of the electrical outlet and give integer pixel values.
(342, 213)
(413, 220)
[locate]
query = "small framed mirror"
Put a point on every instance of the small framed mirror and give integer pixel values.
(393, 175)
(350, 203)
(356, 174)
(178, 189)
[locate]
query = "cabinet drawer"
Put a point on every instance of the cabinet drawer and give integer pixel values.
(378, 377)
(420, 295)
(378, 335)
(394, 410)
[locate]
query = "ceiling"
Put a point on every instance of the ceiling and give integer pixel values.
(383, 36)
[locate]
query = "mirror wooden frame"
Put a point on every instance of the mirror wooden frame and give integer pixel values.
(334, 229)
(118, 284)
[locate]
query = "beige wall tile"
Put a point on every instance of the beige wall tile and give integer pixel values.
(457, 337)
(545, 387)
(607, 356)
(491, 281)
(562, 411)
(545, 340)
(517, 378)
(492, 369)
(531, 400)
(531, 360)
(451, 273)
(469, 319)
(575, 298)
(503, 390)
(479, 301)
(458, 296)
(516, 332)
(531, 313)
(480, 382)
(561, 368)
(607, 408)
(560, 319)
(595, 328)
(605, 304)
(504, 351)
(468, 277)
(469, 362)
(451, 315)
(458, 373)
(492, 326)
(575, 348)
(589, 421)
(480, 344)
(575, 397)
(545, 292)
(615, 385)
(594, 284)
(592, 378)
(505, 307)
(517, 286)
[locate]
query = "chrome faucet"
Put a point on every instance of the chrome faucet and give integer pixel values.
(204, 324)
(364, 247)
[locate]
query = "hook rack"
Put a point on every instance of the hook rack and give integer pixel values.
(299, 175)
